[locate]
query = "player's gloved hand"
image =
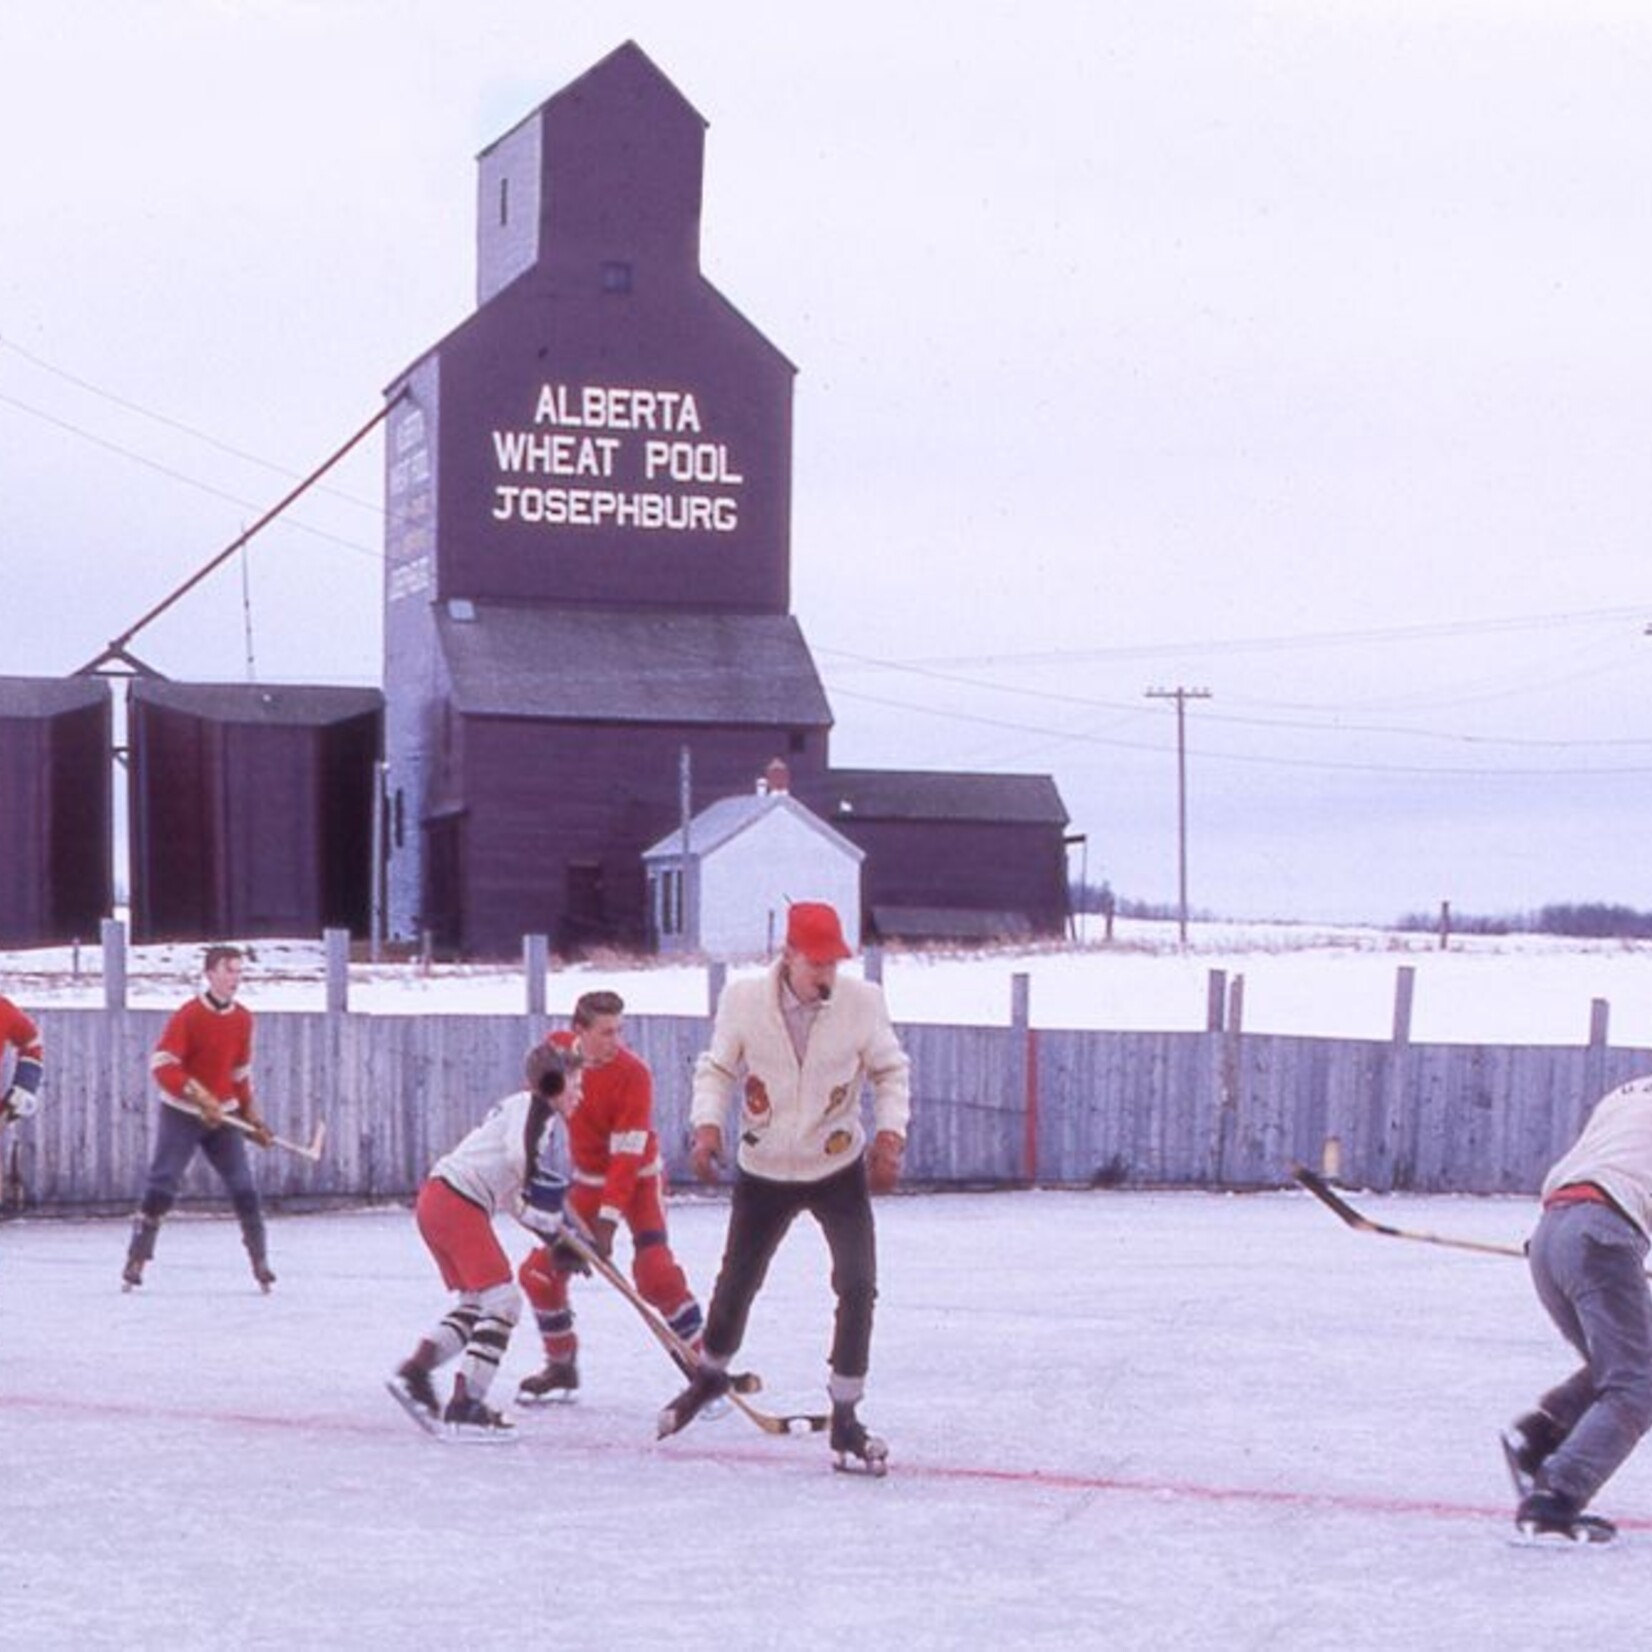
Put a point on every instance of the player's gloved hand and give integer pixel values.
(543, 1197)
(883, 1161)
(705, 1153)
(19, 1104)
(566, 1256)
(261, 1132)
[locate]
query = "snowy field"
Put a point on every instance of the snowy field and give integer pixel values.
(1116, 1419)
(1298, 979)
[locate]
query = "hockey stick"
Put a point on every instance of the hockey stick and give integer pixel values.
(1338, 1206)
(310, 1151)
(681, 1354)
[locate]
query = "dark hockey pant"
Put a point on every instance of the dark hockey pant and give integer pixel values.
(759, 1216)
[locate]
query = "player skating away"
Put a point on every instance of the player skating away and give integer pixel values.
(1588, 1262)
(21, 1096)
(487, 1173)
(618, 1176)
(203, 1065)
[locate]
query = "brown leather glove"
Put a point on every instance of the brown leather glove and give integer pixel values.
(705, 1154)
(883, 1162)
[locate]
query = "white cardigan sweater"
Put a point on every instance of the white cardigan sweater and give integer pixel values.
(801, 1120)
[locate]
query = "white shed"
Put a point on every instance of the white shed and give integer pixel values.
(748, 859)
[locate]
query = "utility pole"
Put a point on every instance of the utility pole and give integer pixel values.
(1181, 696)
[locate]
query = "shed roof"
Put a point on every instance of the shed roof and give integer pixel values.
(630, 665)
(32, 697)
(728, 817)
(302, 705)
(917, 794)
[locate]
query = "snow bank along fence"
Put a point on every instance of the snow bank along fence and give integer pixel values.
(993, 1106)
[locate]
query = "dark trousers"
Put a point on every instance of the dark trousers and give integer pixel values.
(759, 1216)
(177, 1137)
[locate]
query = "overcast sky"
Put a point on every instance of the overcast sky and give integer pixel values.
(1297, 352)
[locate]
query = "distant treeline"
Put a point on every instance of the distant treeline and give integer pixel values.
(1584, 920)
(1099, 897)
(1588, 920)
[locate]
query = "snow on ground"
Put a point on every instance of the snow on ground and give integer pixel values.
(1117, 1419)
(1297, 979)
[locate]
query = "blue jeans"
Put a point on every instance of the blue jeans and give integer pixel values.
(1588, 1264)
(177, 1136)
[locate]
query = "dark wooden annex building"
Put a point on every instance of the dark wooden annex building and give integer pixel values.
(55, 861)
(950, 856)
(251, 808)
(587, 603)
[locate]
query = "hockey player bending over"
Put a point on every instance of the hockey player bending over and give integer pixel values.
(618, 1176)
(1588, 1262)
(496, 1168)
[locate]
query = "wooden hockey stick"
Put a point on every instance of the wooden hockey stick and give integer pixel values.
(310, 1150)
(684, 1357)
(1334, 1202)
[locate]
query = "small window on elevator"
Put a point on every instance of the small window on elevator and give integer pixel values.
(504, 202)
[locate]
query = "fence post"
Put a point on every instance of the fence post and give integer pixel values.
(1021, 1025)
(337, 945)
(1216, 988)
(1228, 1023)
(872, 965)
(536, 951)
(113, 934)
(716, 979)
(1600, 1021)
(1396, 1101)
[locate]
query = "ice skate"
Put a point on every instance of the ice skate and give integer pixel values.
(709, 1383)
(1527, 1445)
(470, 1420)
(1551, 1516)
(412, 1389)
(261, 1272)
(557, 1384)
(854, 1450)
(131, 1276)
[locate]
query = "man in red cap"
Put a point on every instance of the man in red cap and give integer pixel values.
(801, 1044)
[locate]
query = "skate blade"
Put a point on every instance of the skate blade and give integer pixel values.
(463, 1434)
(871, 1468)
(556, 1396)
(410, 1405)
(1587, 1533)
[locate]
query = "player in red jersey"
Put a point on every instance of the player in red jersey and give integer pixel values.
(617, 1176)
(203, 1065)
(21, 1099)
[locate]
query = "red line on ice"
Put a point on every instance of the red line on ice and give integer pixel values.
(901, 1469)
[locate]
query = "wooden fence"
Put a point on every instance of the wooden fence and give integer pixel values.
(991, 1105)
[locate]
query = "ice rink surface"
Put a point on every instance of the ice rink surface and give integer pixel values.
(1119, 1419)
